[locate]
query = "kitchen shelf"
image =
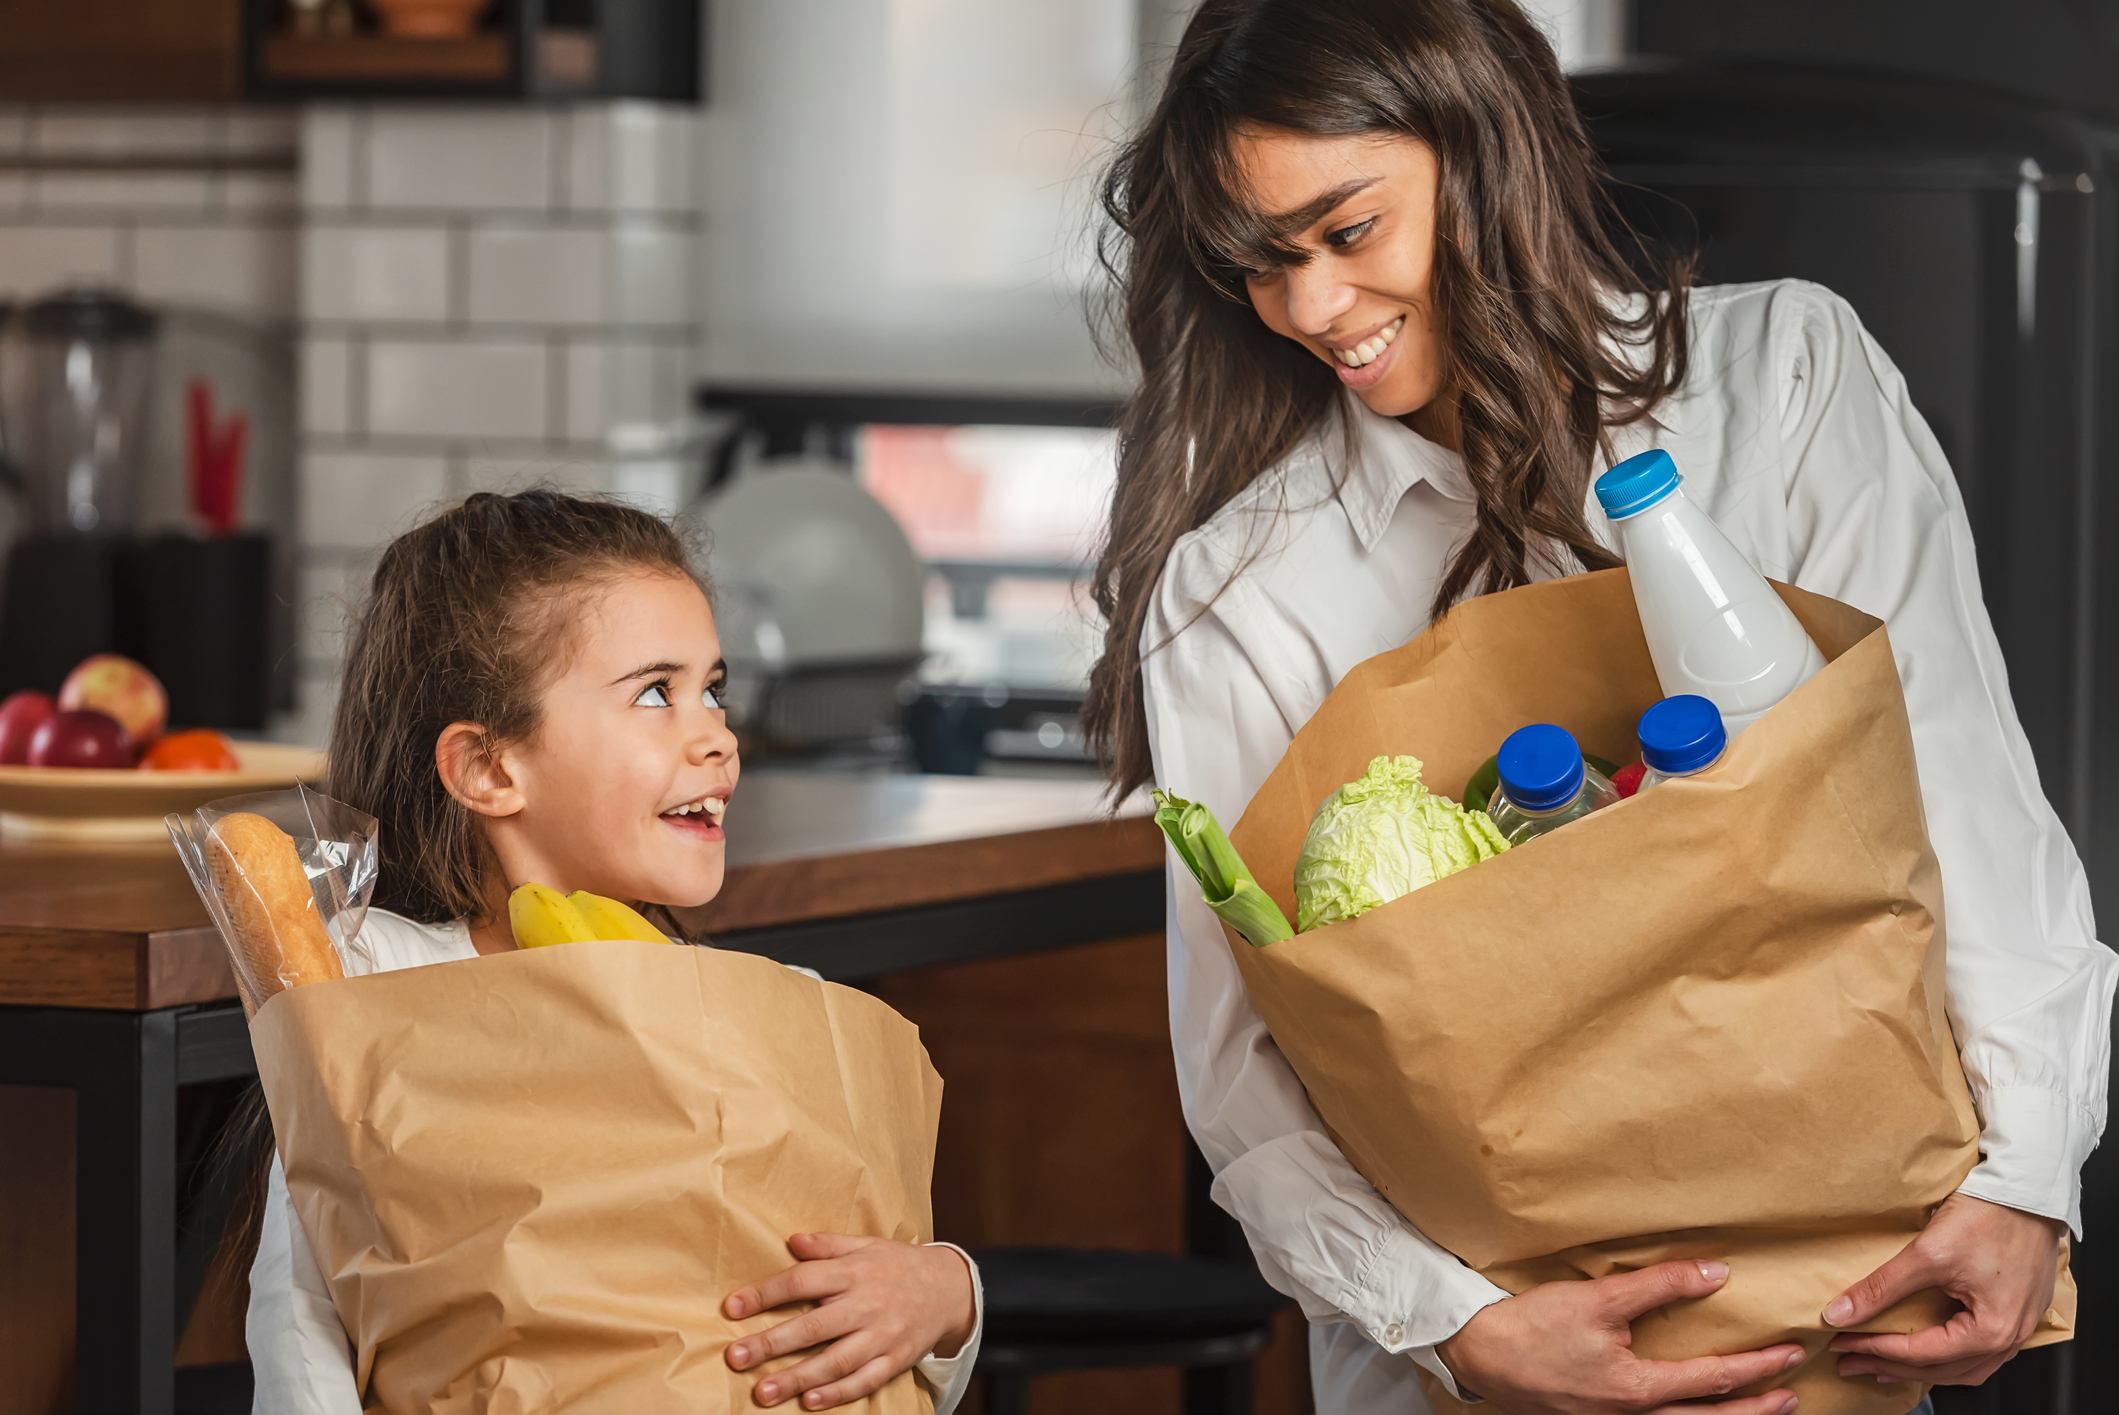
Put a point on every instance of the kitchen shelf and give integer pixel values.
(376, 58)
(119, 51)
(522, 49)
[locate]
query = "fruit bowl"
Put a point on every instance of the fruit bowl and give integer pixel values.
(64, 803)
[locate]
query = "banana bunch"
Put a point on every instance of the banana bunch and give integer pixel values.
(540, 914)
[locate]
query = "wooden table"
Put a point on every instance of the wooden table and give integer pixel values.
(113, 984)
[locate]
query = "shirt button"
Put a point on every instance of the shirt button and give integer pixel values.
(1394, 1333)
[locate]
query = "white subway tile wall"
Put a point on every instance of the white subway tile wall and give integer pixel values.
(35, 258)
(630, 157)
(469, 389)
(206, 221)
(326, 393)
(460, 159)
(95, 193)
(215, 267)
(506, 474)
(491, 298)
(329, 136)
(358, 501)
(621, 393)
(651, 275)
(126, 132)
(375, 275)
(534, 275)
(480, 298)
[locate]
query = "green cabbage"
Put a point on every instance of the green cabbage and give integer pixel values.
(1384, 836)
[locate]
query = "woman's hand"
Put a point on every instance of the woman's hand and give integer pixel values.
(1998, 1262)
(881, 1306)
(1566, 1348)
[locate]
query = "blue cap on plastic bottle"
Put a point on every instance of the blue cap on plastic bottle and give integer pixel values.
(1541, 767)
(1681, 734)
(1637, 484)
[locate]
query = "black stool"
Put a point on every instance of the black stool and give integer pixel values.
(1064, 1309)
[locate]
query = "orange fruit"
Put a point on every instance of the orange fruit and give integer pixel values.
(200, 749)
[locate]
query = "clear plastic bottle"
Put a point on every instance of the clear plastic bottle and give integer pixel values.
(1715, 628)
(1680, 736)
(1544, 783)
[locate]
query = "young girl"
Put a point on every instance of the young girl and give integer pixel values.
(532, 694)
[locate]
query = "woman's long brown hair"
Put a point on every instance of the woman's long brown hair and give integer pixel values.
(1545, 351)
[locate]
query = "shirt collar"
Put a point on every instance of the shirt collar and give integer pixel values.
(1388, 458)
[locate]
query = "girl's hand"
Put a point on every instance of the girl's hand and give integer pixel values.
(882, 1306)
(1566, 1348)
(1997, 1262)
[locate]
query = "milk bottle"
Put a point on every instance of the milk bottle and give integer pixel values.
(1715, 627)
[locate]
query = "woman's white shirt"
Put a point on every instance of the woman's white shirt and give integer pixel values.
(1795, 433)
(299, 1350)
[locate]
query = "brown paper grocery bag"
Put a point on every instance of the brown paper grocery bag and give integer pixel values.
(530, 1179)
(1704, 1022)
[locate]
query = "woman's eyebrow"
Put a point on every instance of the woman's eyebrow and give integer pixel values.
(647, 669)
(1287, 223)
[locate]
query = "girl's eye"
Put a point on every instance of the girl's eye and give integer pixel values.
(1347, 235)
(653, 695)
(712, 696)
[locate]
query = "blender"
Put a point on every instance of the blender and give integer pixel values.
(76, 370)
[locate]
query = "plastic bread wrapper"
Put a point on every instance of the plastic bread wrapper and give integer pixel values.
(337, 847)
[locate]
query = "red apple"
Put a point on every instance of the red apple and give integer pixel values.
(80, 738)
(20, 716)
(112, 683)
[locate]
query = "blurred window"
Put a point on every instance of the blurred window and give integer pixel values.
(1006, 519)
(1028, 495)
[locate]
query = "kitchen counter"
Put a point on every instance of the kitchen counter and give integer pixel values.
(814, 857)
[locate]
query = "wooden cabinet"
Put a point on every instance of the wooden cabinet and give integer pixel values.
(515, 49)
(1061, 1126)
(180, 51)
(120, 51)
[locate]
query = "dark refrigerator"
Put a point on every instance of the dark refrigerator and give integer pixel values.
(1972, 230)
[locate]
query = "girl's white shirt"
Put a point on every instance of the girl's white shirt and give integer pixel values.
(299, 1350)
(1795, 433)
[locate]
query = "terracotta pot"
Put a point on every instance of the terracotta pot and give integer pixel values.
(429, 19)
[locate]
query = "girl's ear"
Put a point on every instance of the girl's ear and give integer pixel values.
(476, 776)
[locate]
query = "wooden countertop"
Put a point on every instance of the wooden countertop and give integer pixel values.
(119, 926)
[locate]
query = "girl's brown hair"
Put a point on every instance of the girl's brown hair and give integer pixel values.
(466, 620)
(1528, 285)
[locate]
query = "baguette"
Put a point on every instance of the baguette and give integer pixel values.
(270, 906)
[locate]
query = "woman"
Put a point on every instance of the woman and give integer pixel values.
(1385, 342)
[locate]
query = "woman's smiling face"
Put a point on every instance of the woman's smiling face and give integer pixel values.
(621, 789)
(1362, 208)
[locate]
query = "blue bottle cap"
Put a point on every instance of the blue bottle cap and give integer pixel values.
(1681, 734)
(1637, 484)
(1541, 767)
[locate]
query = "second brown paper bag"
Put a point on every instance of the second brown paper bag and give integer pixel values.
(1707, 1021)
(530, 1179)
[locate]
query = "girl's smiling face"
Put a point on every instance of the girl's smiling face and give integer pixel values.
(621, 788)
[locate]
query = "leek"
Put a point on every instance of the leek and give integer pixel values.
(1228, 885)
